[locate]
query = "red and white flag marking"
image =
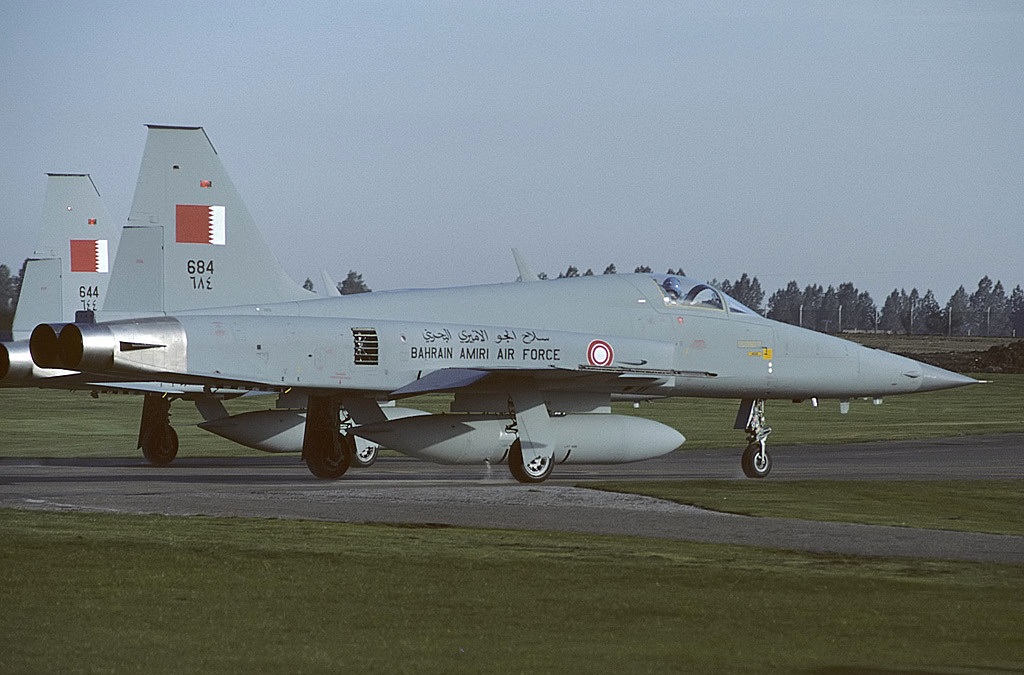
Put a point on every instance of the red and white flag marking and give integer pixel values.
(198, 224)
(89, 255)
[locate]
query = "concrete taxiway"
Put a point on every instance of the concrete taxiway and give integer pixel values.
(401, 490)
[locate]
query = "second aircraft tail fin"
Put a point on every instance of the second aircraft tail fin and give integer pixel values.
(68, 273)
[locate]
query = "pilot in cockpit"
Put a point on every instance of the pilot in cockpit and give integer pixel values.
(673, 289)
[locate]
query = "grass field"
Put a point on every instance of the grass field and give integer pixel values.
(154, 594)
(107, 593)
(42, 423)
(971, 506)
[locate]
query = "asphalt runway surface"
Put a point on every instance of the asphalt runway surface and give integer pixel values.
(403, 490)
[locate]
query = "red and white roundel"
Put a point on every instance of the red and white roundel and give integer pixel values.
(600, 353)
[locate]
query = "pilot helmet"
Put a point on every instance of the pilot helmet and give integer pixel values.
(672, 287)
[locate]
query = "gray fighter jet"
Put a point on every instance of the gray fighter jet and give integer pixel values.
(70, 276)
(533, 366)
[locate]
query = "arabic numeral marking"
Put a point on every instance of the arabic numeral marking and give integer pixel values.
(201, 273)
(89, 295)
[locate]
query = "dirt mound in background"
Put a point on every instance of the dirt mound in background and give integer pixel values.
(999, 359)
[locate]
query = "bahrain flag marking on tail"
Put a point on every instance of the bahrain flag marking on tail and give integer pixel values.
(197, 224)
(89, 255)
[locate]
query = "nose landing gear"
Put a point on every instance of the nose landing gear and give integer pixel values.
(756, 461)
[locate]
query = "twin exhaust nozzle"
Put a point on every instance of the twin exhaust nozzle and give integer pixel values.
(118, 347)
(82, 347)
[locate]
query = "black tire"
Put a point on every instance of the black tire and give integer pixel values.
(756, 461)
(364, 453)
(160, 445)
(330, 458)
(536, 473)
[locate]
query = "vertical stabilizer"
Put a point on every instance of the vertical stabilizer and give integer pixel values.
(213, 254)
(69, 271)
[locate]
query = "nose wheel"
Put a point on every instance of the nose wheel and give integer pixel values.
(756, 461)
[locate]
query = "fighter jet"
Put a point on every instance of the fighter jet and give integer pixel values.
(69, 278)
(533, 367)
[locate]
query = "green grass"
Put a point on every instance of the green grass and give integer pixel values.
(41, 423)
(120, 593)
(153, 594)
(972, 506)
(994, 407)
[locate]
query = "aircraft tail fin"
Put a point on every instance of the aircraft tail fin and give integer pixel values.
(68, 273)
(213, 254)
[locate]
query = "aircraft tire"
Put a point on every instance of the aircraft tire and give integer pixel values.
(330, 460)
(365, 453)
(160, 445)
(756, 461)
(527, 474)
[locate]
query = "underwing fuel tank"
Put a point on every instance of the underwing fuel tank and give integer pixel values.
(598, 438)
(276, 430)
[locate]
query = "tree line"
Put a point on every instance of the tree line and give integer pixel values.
(989, 310)
(353, 283)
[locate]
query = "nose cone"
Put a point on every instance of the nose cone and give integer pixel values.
(882, 372)
(933, 378)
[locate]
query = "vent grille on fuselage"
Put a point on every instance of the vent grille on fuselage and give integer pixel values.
(367, 347)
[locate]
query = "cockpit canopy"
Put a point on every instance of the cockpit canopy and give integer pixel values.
(680, 291)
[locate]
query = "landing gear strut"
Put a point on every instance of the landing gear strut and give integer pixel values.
(326, 451)
(756, 461)
(157, 438)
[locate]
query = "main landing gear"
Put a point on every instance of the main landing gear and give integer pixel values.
(326, 451)
(530, 421)
(535, 470)
(756, 461)
(157, 438)
(364, 452)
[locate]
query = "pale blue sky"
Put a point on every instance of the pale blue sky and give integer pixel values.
(880, 143)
